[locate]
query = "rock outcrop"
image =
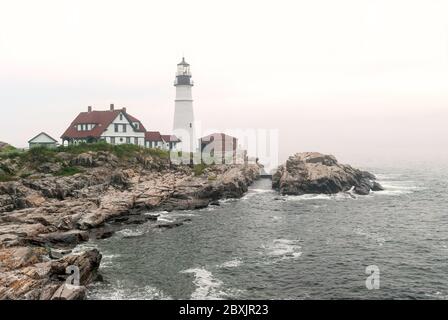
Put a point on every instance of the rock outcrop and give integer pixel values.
(313, 172)
(44, 215)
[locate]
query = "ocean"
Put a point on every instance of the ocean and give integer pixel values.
(267, 246)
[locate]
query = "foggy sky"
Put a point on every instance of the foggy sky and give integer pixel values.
(364, 80)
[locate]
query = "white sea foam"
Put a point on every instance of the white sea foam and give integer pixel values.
(165, 217)
(437, 296)
(320, 196)
(82, 247)
(282, 249)
(396, 188)
(130, 233)
(107, 260)
(389, 176)
(119, 291)
(229, 200)
(260, 191)
(253, 192)
(207, 286)
(231, 264)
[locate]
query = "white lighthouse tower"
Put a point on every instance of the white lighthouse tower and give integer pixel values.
(183, 126)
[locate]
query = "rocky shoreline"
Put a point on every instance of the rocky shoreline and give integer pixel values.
(43, 215)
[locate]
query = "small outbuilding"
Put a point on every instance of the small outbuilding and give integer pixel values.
(219, 148)
(43, 140)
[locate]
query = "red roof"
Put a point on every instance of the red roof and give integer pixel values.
(102, 119)
(170, 138)
(153, 136)
(141, 128)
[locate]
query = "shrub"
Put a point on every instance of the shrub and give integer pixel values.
(198, 169)
(39, 155)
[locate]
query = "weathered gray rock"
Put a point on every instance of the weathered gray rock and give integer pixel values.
(26, 273)
(313, 172)
(69, 292)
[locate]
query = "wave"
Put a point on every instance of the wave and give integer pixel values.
(107, 260)
(437, 296)
(375, 236)
(119, 291)
(276, 218)
(130, 233)
(82, 247)
(207, 286)
(231, 263)
(260, 191)
(283, 249)
(319, 196)
(229, 200)
(398, 187)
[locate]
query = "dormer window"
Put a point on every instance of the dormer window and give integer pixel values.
(136, 125)
(85, 126)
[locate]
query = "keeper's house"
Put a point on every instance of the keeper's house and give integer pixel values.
(114, 126)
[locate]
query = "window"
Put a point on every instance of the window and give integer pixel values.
(128, 140)
(116, 127)
(136, 140)
(112, 140)
(121, 116)
(136, 125)
(121, 139)
(124, 128)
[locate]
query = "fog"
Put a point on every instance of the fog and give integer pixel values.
(366, 81)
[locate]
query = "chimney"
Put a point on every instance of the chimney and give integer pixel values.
(124, 109)
(111, 107)
(89, 109)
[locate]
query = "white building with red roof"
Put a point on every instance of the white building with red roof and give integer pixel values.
(114, 126)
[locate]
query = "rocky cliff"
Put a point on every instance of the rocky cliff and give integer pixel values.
(49, 207)
(313, 172)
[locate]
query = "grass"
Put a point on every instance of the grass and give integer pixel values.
(120, 150)
(25, 175)
(6, 177)
(8, 148)
(68, 171)
(198, 169)
(34, 157)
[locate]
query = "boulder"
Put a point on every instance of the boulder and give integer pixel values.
(84, 159)
(69, 292)
(313, 172)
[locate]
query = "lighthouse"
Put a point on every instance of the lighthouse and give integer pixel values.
(183, 126)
